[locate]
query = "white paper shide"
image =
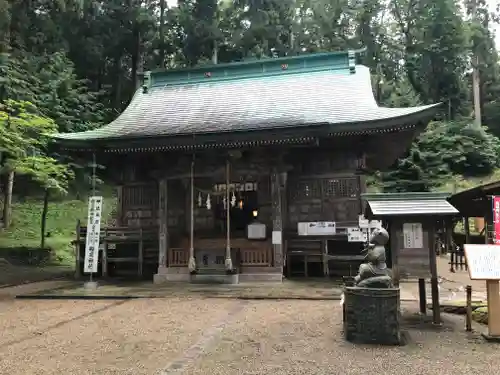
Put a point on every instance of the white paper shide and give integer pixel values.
(93, 231)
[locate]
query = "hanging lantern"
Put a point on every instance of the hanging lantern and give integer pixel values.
(233, 200)
(200, 200)
(209, 203)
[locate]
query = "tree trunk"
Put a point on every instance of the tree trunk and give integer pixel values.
(43, 224)
(7, 200)
(161, 31)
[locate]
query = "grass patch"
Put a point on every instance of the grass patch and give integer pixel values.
(62, 217)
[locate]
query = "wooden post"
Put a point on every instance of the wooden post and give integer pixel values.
(326, 270)
(228, 261)
(467, 229)
(468, 308)
(162, 225)
(78, 269)
(191, 261)
(493, 297)
(436, 310)
(422, 296)
(104, 255)
(276, 192)
(140, 260)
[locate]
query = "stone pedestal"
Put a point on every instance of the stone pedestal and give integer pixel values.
(372, 316)
(171, 274)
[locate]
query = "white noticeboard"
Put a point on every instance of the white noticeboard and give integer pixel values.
(413, 236)
(483, 261)
(93, 232)
(276, 238)
(368, 224)
(357, 235)
(318, 228)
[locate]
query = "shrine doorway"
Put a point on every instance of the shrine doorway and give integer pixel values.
(243, 210)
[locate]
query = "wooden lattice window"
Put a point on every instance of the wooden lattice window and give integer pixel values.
(341, 188)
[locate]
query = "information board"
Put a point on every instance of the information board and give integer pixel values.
(413, 236)
(317, 228)
(483, 261)
(93, 235)
(357, 235)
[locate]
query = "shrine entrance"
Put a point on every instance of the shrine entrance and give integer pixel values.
(243, 208)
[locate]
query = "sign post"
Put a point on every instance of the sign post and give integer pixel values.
(483, 263)
(93, 236)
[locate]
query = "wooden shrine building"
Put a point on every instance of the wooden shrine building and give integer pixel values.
(247, 168)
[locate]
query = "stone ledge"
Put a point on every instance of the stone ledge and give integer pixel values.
(215, 279)
(266, 277)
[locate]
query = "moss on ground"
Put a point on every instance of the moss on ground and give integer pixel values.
(480, 315)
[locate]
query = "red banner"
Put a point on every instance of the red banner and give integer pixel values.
(496, 220)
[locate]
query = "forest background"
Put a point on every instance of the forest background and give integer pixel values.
(73, 65)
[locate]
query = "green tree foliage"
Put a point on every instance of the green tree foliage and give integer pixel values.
(78, 61)
(24, 136)
(444, 150)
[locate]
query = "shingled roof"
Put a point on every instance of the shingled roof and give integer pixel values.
(324, 91)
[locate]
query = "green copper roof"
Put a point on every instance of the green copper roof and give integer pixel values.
(413, 204)
(290, 93)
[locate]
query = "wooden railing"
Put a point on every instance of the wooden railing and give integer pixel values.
(120, 233)
(178, 257)
(256, 257)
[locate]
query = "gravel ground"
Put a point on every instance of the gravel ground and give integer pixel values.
(304, 337)
(90, 337)
(218, 336)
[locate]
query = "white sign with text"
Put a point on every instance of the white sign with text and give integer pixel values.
(413, 236)
(93, 234)
(483, 261)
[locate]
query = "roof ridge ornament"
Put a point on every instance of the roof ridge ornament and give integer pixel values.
(146, 83)
(351, 54)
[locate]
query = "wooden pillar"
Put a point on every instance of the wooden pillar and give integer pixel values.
(162, 224)
(436, 309)
(277, 182)
(191, 261)
(140, 255)
(119, 206)
(467, 229)
(228, 261)
(104, 256)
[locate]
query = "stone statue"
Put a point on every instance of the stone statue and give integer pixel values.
(374, 273)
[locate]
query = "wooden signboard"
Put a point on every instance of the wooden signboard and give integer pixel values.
(483, 263)
(413, 256)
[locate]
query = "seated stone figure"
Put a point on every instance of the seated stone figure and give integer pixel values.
(374, 273)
